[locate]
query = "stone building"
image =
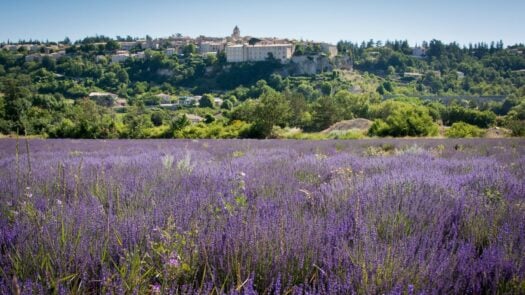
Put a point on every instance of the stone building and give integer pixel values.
(258, 52)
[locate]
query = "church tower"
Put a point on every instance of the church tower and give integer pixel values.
(236, 33)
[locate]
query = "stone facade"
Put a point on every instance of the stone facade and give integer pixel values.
(246, 53)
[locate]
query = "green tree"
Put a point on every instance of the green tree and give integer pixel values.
(16, 101)
(326, 88)
(207, 101)
(189, 49)
(272, 109)
(403, 119)
(326, 113)
(460, 129)
(227, 105)
(157, 118)
(112, 46)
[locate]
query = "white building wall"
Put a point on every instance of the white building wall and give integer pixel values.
(243, 53)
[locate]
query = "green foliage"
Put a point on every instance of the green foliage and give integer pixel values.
(207, 101)
(227, 105)
(402, 119)
(39, 96)
(517, 127)
(15, 102)
(455, 113)
(157, 118)
(272, 109)
(460, 129)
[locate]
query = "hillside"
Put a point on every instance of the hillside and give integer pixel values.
(91, 89)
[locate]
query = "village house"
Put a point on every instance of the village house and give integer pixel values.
(104, 98)
(419, 52)
(128, 45)
(173, 51)
(189, 101)
(194, 118)
(120, 56)
(211, 47)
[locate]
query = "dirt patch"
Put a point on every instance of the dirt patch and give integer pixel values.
(355, 124)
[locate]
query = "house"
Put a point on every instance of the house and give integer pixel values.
(57, 55)
(38, 56)
(211, 47)
(128, 45)
(194, 118)
(10, 47)
(104, 98)
(171, 51)
(168, 105)
(218, 101)
(189, 101)
(139, 55)
(412, 75)
(33, 57)
(120, 56)
(419, 52)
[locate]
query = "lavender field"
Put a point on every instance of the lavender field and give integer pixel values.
(262, 217)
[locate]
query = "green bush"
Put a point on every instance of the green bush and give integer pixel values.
(461, 129)
(403, 119)
(482, 119)
(517, 127)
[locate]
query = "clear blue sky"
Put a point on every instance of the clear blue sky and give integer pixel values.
(463, 21)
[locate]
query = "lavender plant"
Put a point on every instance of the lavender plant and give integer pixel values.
(262, 217)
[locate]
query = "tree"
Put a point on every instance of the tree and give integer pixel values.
(48, 63)
(326, 113)
(276, 82)
(112, 46)
(352, 105)
(455, 113)
(207, 101)
(435, 49)
(157, 118)
(208, 119)
(402, 119)
(227, 105)
(16, 101)
(177, 124)
(326, 88)
(391, 71)
(189, 49)
(272, 109)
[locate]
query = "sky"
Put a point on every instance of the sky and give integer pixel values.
(462, 21)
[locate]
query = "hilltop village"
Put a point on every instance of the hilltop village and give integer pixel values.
(236, 48)
(244, 86)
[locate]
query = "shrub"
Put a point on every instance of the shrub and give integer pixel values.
(461, 129)
(455, 114)
(403, 119)
(517, 127)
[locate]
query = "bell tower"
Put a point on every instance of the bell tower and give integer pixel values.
(236, 33)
